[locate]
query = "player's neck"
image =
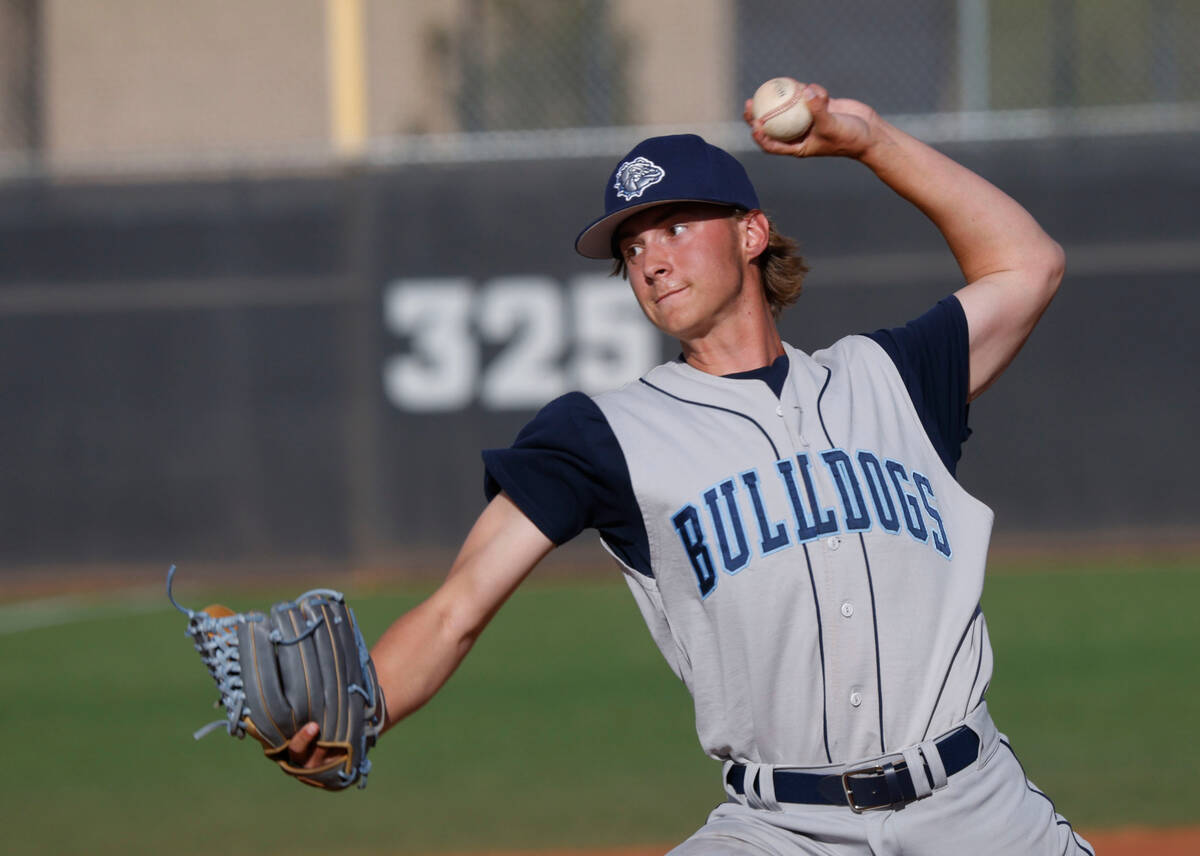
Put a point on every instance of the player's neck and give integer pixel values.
(735, 348)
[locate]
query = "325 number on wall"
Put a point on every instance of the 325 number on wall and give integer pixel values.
(512, 343)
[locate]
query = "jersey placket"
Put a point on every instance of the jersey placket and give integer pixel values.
(841, 581)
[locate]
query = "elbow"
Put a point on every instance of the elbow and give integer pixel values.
(458, 624)
(1052, 265)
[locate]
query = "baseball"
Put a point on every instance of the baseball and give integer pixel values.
(779, 103)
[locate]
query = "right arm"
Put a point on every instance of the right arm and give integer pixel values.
(1012, 268)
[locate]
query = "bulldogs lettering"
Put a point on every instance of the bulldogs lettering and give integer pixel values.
(812, 516)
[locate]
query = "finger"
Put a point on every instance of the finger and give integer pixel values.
(302, 744)
(816, 97)
(770, 145)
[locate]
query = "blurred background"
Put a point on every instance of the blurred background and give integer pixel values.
(273, 271)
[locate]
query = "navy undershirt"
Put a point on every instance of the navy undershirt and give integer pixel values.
(567, 473)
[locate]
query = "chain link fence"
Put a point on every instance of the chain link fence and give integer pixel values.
(925, 56)
(530, 66)
(568, 64)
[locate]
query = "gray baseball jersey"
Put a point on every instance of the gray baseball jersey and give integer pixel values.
(811, 569)
(817, 570)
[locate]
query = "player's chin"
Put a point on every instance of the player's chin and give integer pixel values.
(662, 318)
(684, 326)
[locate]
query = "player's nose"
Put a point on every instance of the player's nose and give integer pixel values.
(656, 262)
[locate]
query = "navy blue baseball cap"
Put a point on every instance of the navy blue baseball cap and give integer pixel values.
(678, 168)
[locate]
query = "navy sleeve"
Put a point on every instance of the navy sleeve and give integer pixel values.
(932, 355)
(567, 473)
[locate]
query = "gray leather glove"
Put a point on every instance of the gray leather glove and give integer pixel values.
(303, 661)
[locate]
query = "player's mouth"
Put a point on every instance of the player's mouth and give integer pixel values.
(669, 293)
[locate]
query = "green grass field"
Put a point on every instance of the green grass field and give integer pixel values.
(563, 728)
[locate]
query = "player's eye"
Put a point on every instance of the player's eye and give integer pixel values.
(678, 228)
(632, 252)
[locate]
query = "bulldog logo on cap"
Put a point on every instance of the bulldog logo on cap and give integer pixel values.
(633, 177)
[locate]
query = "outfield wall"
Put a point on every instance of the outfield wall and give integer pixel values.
(307, 366)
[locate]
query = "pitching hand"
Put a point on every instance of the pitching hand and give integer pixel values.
(840, 126)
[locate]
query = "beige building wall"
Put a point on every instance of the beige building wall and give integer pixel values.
(128, 76)
(682, 59)
(680, 53)
(412, 74)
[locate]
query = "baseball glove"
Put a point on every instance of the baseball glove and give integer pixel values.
(305, 661)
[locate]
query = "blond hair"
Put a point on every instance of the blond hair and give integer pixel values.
(782, 268)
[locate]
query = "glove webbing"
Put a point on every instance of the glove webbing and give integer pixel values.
(216, 639)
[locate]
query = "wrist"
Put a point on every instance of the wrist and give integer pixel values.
(879, 140)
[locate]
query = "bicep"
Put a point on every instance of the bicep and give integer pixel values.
(1001, 310)
(500, 551)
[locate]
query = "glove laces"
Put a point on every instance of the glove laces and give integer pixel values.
(216, 640)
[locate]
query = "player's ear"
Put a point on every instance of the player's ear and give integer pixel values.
(755, 230)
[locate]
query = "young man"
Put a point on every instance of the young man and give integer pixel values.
(790, 525)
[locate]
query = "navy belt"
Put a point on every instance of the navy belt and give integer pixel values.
(874, 786)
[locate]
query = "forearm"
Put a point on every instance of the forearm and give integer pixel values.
(415, 656)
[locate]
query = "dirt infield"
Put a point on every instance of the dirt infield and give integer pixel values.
(1184, 841)
(1133, 841)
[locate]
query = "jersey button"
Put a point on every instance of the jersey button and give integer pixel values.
(835, 542)
(855, 699)
(779, 410)
(847, 609)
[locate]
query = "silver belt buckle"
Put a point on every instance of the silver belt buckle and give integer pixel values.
(874, 769)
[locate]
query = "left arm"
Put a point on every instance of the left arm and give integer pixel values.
(1011, 266)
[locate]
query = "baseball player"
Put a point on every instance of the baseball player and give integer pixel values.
(789, 524)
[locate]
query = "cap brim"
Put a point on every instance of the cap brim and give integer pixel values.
(595, 241)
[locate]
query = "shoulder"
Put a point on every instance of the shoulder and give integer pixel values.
(855, 352)
(635, 393)
(560, 422)
(571, 407)
(855, 346)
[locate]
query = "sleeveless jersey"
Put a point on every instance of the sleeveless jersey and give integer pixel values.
(816, 569)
